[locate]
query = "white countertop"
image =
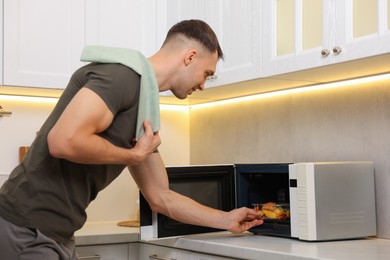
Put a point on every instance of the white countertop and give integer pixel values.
(94, 233)
(249, 246)
(243, 246)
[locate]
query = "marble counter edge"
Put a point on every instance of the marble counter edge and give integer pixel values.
(203, 243)
(244, 246)
(249, 246)
(97, 233)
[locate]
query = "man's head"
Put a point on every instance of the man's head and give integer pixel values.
(196, 30)
(196, 50)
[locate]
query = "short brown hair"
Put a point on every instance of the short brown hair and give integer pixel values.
(199, 31)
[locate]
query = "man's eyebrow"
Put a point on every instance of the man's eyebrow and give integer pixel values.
(210, 72)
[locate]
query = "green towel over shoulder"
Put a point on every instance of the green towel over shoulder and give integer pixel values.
(149, 106)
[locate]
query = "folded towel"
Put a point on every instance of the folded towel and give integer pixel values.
(149, 107)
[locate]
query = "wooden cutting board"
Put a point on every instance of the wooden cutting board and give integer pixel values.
(129, 223)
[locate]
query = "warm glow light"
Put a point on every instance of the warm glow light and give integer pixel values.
(53, 100)
(185, 108)
(338, 84)
(29, 99)
(167, 107)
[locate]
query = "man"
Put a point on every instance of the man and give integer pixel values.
(88, 140)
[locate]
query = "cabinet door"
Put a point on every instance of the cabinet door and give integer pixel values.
(43, 40)
(122, 23)
(362, 29)
(237, 25)
(103, 252)
(296, 33)
(303, 34)
(153, 252)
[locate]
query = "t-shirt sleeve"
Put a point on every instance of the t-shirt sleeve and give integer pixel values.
(116, 84)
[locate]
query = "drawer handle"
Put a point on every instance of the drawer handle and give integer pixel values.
(156, 257)
(89, 257)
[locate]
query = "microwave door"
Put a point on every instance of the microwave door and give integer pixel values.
(210, 185)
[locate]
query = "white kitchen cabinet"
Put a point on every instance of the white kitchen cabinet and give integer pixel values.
(303, 34)
(104, 252)
(122, 23)
(237, 26)
(154, 252)
(43, 40)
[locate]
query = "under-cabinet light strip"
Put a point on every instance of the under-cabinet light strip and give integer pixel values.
(183, 108)
(54, 100)
(227, 101)
(337, 84)
(29, 98)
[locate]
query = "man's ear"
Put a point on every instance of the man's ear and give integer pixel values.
(190, 56)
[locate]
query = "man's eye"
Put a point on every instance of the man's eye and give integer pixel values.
(211, 78)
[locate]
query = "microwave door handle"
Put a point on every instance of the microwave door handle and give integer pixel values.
(156, 257)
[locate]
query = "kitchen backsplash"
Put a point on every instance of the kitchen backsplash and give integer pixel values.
(20, 128)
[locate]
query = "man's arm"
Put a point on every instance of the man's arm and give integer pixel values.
(151, 177)
(75, 135)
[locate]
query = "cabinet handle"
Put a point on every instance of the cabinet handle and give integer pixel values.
(337, 50)
(156, 257)
(325, 52)
(92, 257)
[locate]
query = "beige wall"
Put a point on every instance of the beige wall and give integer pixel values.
(350, 123)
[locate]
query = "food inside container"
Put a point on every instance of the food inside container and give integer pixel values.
(272, 210)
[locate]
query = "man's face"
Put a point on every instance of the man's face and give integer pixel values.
(195, 74)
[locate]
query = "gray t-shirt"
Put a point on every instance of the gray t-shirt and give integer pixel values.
(51, 194)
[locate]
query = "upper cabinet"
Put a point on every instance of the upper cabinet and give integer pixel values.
(122, 23)
(237, 25)
(43, 40)
(302, 34)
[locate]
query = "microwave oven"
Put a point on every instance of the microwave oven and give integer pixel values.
(324, 200)
(314, 201)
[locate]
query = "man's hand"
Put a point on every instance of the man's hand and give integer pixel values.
(242, 219)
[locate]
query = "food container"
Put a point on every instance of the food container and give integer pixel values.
(273, 211)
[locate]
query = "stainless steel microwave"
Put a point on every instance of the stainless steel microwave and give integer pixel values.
(308, 201)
